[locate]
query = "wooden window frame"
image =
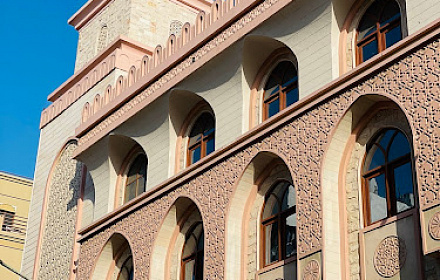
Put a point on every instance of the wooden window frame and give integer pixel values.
(202, 142)
(280, 218)
(136, 179)
(124, 266)
(388, 170)
(379, 34)
(195, 255)
(281, 93)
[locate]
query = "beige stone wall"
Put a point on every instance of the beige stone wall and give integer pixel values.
(147, 22)
(115, 18)
(150, 20)
(421, 13)
(305, 27)
(353, 208)
(52, 138)
(253, 264)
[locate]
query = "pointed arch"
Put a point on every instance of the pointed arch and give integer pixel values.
(115, 257)
(262, 67)
(169, 246)
(244, 254)
(343, 188)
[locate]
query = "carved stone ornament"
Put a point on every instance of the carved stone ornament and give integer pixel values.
(434, 226)
(390, 256)
(312, 270)
(412, 82)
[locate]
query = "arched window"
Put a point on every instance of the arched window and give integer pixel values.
(388, 176)
(201, 138)
(192, 254)
(281, 89)
(379, 28)
(279, 223)
(136, 178)
(126, 272)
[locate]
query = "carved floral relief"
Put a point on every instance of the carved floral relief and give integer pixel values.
(412, 82)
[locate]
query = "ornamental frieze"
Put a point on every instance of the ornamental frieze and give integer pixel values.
(413, 83)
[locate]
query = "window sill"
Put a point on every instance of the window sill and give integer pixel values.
(388, 221)
(276, 265)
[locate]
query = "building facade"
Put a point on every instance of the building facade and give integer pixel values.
(241, 139)
(15, 196)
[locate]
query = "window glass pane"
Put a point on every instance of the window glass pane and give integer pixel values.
(378, 201)
(273, 107)
(292, 96)
(369, 50)
(404, 187)
(289, 75)
(390, 13)
(140, 186)
(271, 242)
(195, 154)
(130, 191)
(126, 271)
(123, 274)
(201, 242)
(210, 146)
(189, 270)
(393, 36)
(366, 27)
(375, 158)
(399, 147)
(193, 140)
(272, 91)
(270, 207)
(385, 138)
(290, 235)
(190, 247)
(289, 199)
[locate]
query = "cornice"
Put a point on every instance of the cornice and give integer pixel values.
(211, 34)
(16, 179)
(113, 56)
(86, 13)
(330, 90)
(93, 7)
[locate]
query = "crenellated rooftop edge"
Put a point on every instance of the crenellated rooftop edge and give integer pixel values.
(350, 79)
(121, 53)
(207, 25)
(213, 32)
(92, 7)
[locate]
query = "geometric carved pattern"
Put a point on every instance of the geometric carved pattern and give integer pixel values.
(390, 256)
(59, 226)
(312, 271)
(412, 82)
(434, 226)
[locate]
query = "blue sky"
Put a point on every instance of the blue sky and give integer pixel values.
(37, 54)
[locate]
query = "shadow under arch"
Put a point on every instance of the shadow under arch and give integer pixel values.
(258, 63)
(113, 256)
(371, 112)
(122, 152)
(243, 214)
(184, 107)
(170, 239)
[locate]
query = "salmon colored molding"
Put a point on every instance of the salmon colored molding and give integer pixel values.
(114, 56)
(354, 76)
(189, 57)
(198, 5)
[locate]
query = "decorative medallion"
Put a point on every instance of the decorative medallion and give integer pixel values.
(434, 226)
(390, 256)
(312, 270)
